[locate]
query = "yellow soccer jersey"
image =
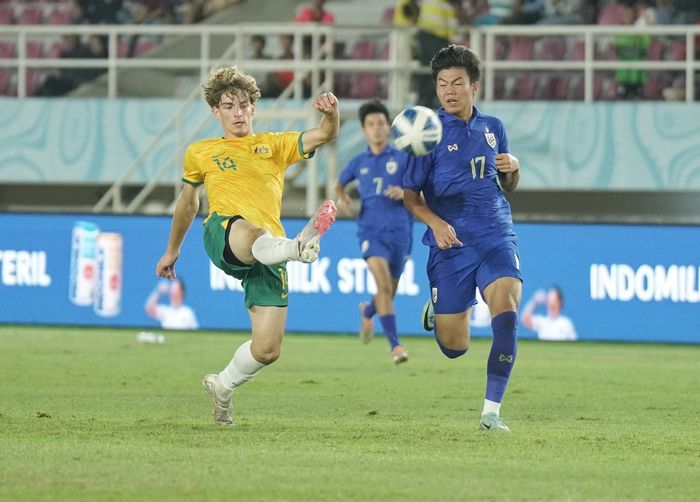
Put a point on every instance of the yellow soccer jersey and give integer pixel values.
(245, 176)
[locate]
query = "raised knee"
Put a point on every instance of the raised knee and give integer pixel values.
(451, 353)
(267, 356)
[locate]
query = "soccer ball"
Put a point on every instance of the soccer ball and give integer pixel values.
(416, 130)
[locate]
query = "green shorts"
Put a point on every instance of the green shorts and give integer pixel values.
(264, 285)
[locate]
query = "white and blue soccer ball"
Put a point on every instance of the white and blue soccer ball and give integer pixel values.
(416, 130)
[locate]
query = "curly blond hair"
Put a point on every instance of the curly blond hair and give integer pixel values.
(229, 80)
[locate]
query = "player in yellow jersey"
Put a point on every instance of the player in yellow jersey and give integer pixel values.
(243, 173)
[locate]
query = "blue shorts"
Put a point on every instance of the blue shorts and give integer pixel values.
(454, 274)
(395, 252)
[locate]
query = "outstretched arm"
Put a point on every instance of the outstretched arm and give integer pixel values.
(327, 129)
(445, 235)
(185, 211)
(529, 310)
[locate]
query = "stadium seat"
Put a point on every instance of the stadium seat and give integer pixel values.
(7, 50)
(341, 84)
(34, 78)
(6, 16)
(521, 49)
(144, 46)
(59, 16)
(654, 86)
(55, 50)
(551, 49)
(364, 49)
(35, 50)
(525, 86)
(31, 15)
(610, 14)
(578, 51)
(388, 16)
(4, 83)
(364, 86)
(655, 50)
(677, 51)
(558, 87)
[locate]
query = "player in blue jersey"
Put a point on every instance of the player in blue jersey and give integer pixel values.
(470, 228)
(384, 226)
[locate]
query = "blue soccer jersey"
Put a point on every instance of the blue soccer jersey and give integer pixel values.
(379, 216)
(459, 179)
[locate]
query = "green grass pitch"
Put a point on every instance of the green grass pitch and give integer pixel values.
(92, 414)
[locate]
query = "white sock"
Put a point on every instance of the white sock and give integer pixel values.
(242, 368)
(490, 406)
(270, 250)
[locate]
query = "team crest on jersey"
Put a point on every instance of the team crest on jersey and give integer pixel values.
(490, 138)
(364, 170)
(391, 166)
(263, 151)
(434, 295)
(364, 246)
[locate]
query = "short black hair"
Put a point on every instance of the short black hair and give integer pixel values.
(560, 294)
(374, 106)
(456, 56)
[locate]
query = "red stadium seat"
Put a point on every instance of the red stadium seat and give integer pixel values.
(341, 84)
(35, 50)
(55, 50)
(611, 14)
(578, 51)
(7, 50)
(4, 83)
(551, 49)
(388, 16)
(677, 51)
(60, 16)
(655, 50)
(525, 86)
(144, 46)
(7, 16)
(654, 87)
(364, 86)
(31, 15)
(558, 87)
(521, 49)
(364, 49)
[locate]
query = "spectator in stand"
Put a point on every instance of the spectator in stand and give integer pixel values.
(98, 11)
(406, 13)
(437, 25)
(280, 80)
(257, 51)
(315, 13)
(629, 47)
(563, 12)
(69, 79)
(66, 79)
(490, 12)
(150, 12)
(525, 12)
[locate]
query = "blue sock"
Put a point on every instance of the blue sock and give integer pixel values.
(370, 310)
(503, 350)
(389, 327)
(451, 353)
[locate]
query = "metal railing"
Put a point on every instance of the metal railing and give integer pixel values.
(319, 66)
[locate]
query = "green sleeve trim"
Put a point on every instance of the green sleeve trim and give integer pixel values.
(193, 183)
(300, 145)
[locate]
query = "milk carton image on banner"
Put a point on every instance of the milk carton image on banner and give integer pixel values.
(108, 284)
(81, 283)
